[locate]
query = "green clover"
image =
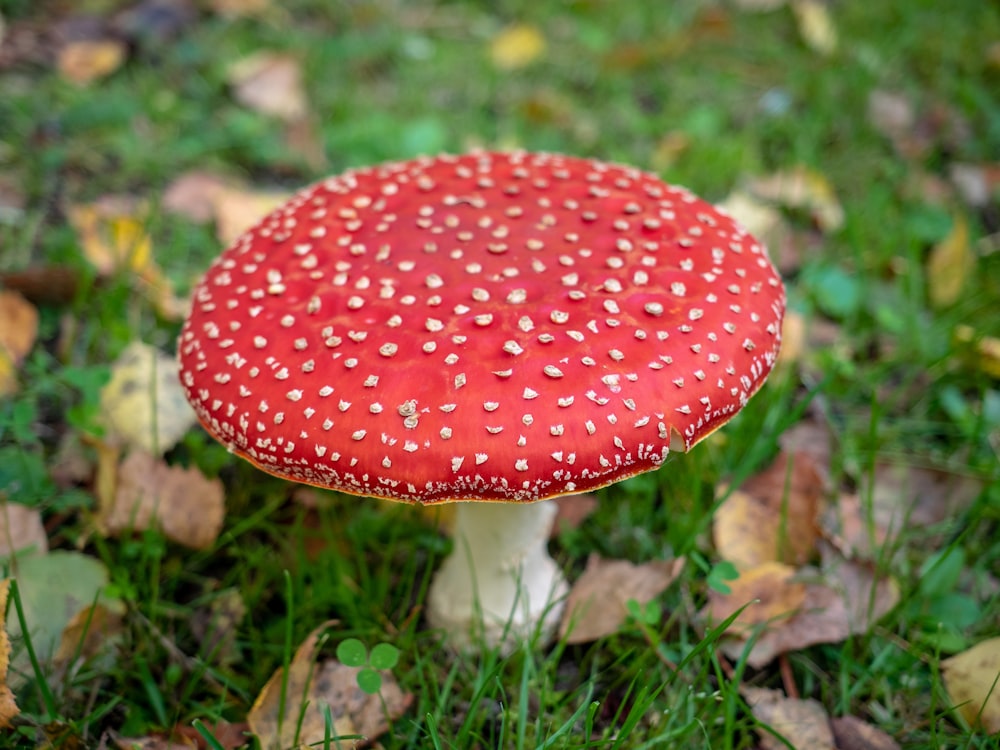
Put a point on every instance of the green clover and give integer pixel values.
(352, 653)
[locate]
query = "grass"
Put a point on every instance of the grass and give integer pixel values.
(389, 79)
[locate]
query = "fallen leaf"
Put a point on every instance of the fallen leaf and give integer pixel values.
(815, 25)
(192, 194)
(43, 284)
(851, 733)
(182, 502)
(517, 46)
(795, 722)
(838, 602)
(812, 438)
(985, 348)
(18, 331)
(112, 234)
(92, 633)
(85, 61)
(143, 404)
(270, 83)
(950, 264)
(310, 690)
(54, 588)
(760, 217)
(238, 209)
(155, 742)
(767, 593)
(8, 706)
(972, 679)
(774, 516)
(21, 530)
(802, 188)
(595, 606)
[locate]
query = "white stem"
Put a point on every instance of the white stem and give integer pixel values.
(499, 585)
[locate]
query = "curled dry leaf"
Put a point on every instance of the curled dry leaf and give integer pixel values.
(183, 503)
(789, 721)
(143, 405)
(18, 331)
(596, 603)
(310, 690)
(270, 83)
(8, 707)
(972, 679)
(21, 530)
(517, 46)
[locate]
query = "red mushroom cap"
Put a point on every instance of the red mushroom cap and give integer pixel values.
(495, 326)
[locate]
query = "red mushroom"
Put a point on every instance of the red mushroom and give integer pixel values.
(496, 329)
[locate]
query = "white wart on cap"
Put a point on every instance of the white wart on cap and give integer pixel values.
(495, 326)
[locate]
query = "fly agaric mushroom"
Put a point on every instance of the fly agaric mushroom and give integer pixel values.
(494, 329)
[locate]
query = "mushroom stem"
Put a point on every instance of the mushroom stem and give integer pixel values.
(499, 586)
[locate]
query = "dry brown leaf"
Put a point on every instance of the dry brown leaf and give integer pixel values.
(155, 742)
(774, 516)
(188, 507)
(950, 264)
(86, 61)
(312, 689)
(802, 188)
(851, 733)
(21, 530)
(768, 593)
(270, 83)
(972, 679)
(595, 606)
(812, 438)
(18, 331)
(8, 707)
(816, 25)
(802, 723)
(229, 735)
(517, 46)
(143, 404)
(793, 340)
(89, 634)
(841, 602)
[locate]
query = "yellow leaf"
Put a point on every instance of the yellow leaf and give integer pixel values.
(112, 235)
(815, 25)
(517, 46)
(18, 331)
(972, 679)
(950, 264)
(802, 188)
(85, 61)
(8, 708)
